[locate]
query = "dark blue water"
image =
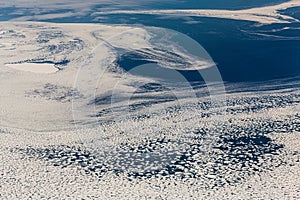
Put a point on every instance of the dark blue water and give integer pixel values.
(10, 13)
(241, 50)
(293, 12)
(211, 4)
(7, 13)
(240, 55)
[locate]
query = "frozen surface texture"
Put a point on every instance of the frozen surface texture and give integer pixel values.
(248, 148)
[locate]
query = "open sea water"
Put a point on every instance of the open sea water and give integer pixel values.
(243, 51)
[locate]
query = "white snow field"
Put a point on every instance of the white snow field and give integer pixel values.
(88, 130)
(35, 68)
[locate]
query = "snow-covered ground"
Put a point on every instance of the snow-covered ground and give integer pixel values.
(66, 135)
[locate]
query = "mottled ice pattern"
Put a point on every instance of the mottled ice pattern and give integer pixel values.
(251, 143)
(243, 147)
(66, 137)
